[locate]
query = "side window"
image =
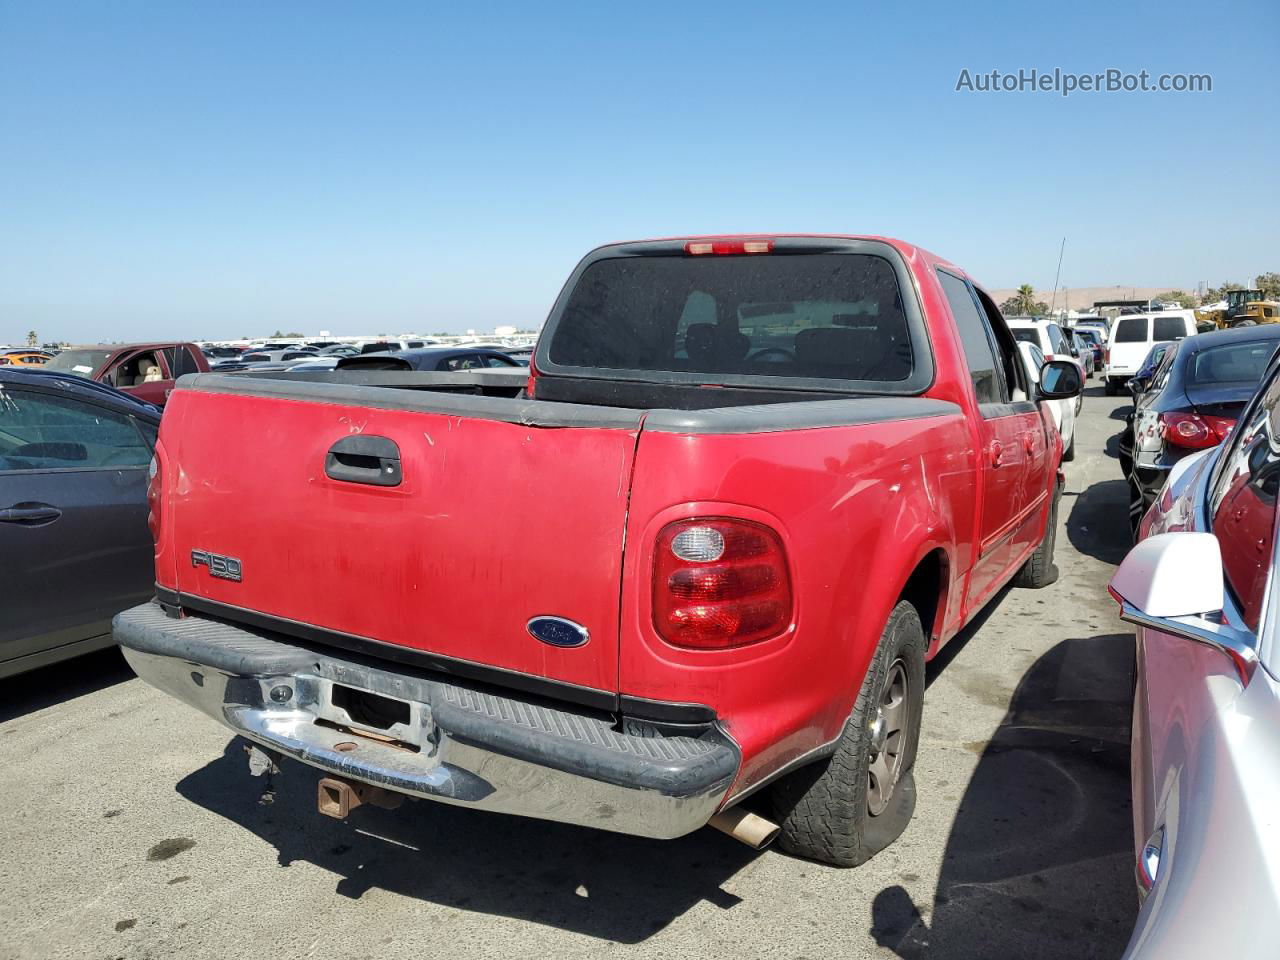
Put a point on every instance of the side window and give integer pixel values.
(187, 363)
(43, 432)
(1161, 376)
(499, 362)
(139, 369)
(976, 339)
(1244, 505)
(1057, 342)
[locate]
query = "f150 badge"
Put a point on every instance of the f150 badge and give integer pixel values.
(224, 568)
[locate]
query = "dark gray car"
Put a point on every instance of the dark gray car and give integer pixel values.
(74, 544)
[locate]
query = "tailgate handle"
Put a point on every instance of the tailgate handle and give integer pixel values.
(364, 459)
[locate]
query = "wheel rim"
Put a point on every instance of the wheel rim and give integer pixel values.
(889, 738)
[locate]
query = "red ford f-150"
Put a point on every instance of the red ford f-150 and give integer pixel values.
(751, 486)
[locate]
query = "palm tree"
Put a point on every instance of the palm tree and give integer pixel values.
(1026, 299)
(32, 339)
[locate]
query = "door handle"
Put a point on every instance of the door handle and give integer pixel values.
(996, 452)
(364, 459)
(30, 514)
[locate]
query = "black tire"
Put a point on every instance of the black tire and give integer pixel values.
(836, 810)
(1111, 387)
(1069, 452)
(1039, 570)
(1137, 509)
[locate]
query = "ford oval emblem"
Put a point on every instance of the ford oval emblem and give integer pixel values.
(558, 631)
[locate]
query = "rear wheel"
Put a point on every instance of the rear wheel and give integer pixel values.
(847, 808)
(1069, 453)
(1039, 570)
(1112, 386)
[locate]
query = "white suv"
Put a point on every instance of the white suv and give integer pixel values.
(1051, 339)
(1133, 336)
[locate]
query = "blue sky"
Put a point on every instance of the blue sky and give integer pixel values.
(226, 169)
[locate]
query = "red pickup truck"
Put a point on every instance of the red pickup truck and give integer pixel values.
(751, 486)
(146, 370)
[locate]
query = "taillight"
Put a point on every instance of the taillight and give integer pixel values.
(533, 378)
(702, 247)
(1193, 431)
(719, 582)
(155, 480)
(1106, 354)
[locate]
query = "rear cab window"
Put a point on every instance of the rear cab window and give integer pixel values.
(835, 319)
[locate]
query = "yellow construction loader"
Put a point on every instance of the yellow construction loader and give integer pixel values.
(1244, 309)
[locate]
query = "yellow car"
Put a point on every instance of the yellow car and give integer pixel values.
(35, 357)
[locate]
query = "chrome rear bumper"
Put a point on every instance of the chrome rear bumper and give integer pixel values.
(448, 741)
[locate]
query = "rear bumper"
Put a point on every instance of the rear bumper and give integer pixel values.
(456, 742)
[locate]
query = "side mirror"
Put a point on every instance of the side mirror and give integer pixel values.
(1172, 582)
(1137, 385)
(1060, 380)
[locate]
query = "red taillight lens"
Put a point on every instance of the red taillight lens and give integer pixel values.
(703, 247)
(719, 583)
(1192, 431)
(1106, 354)
(155, 481)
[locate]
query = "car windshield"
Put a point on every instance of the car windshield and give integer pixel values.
(818, 316)
(82, 363)
(1132, 330)
(1231, 362)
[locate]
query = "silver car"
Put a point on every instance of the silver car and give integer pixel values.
(1199, 585)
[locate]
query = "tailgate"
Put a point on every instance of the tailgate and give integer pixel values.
(505, 510)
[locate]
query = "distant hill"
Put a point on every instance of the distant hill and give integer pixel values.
(1082, 298)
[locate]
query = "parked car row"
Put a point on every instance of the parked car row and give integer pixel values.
(1189, 401)
(1201, 589)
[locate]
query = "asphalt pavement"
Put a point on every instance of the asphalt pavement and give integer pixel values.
(132, 829)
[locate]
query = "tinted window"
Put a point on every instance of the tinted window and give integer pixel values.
(1026, 335)
(42, 432)
(978, 351)
(296, 355)
(381, 346)
(1170, 328)
(1244, 505)
(254, 357)
(1237, 361)
(824, 316)
(494, 361)
(187, 363)
(414, 344)
(1132, 330)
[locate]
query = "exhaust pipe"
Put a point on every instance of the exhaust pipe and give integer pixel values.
(753, 830)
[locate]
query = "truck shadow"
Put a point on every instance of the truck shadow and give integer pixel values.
(1038, 860)
(614, 887)
(1098, 524)
(28, 692)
